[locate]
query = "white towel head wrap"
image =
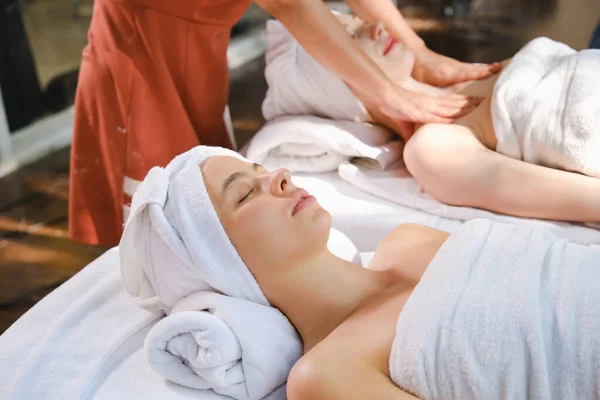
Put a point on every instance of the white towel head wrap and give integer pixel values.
(174, 244)
(299, 85)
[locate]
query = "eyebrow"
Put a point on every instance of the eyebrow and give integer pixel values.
(234, 177)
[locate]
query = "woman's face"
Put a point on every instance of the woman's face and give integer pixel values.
(270, 221)
(392, 57)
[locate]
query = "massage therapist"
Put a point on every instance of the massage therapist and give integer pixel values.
(154, 83)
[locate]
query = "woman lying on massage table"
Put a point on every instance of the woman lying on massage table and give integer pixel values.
(546, 104)
(491, 311)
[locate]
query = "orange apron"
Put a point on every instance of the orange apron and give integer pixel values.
(153, 83)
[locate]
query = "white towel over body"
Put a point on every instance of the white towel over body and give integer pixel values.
(546, 107)
(502, 312)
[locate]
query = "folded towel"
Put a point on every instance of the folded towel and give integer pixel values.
(299, 85)
(502, 312)
(174, 244)
(313, 144)
(546, 107)
(235, 347)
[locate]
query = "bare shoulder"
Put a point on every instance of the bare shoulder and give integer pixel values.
(330, 372)
(312, 375)
(304, 379)
(407, 236)
(413, 230)
(408, 246)
(333, 370)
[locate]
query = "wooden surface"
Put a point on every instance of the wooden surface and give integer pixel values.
(35, 254)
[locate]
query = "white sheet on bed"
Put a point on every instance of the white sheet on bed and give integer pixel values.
(85, 339)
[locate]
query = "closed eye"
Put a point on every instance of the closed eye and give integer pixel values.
(246, 196)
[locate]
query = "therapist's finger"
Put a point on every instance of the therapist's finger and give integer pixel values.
(453, 112)
(459, 100)
(449, 109)
(454, 107)
(480, 71)
(435, 115)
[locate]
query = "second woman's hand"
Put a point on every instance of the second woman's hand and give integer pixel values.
(407, 108)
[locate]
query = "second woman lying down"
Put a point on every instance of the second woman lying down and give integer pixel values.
(530, 149)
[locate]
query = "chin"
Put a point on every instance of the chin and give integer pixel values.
(322, 223)
(316, 222)
(321, 216)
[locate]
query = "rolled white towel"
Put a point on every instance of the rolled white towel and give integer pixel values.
(235, 347)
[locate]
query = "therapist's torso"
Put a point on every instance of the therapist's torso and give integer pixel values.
(153, 83)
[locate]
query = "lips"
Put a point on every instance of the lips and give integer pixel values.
(299, 196)
(389, 45)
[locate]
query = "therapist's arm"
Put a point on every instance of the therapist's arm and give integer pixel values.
(430, 67)
(324, 37)
(455, 168)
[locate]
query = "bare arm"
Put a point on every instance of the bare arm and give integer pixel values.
(430, 67)
(329, 43)
(455, 168)
(323, 36)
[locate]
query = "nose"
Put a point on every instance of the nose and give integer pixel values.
(280, 182)
(377, 31)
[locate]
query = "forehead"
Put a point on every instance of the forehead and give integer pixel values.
(217, 169)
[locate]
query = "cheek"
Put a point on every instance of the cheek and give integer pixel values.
(258, 227)
(397, 65)
(389, 64)
(400, 63)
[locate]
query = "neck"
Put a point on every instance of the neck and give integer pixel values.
(322, 293)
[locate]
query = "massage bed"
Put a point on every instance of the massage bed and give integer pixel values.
(85, 339)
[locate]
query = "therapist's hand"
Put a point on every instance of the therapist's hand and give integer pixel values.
(438, 70)
(407, 108)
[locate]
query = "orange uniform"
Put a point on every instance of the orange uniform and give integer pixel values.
(153, 83)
